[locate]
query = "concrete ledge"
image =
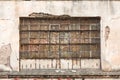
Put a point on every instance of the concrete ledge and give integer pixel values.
(53, 73)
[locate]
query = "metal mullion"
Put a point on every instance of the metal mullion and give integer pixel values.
(59, 51)
(79, 42)
(83, 43)
(90, 42)
(49, 39)
(90, 38)
(22, 38)
(20, 68)
(29, 38)
(100, 42)
(39, 39)
(59, 46)
(69, 37)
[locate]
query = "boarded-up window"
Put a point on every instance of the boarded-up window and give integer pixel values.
(75, 37)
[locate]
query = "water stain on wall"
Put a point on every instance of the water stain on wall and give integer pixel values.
(107, 32)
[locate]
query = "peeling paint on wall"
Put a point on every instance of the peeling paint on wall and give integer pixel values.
(5, 52)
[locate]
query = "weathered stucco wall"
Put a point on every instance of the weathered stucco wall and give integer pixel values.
(107, 10)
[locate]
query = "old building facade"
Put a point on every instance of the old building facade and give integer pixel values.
(60, 40)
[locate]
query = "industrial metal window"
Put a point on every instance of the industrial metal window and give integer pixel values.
(74, 37)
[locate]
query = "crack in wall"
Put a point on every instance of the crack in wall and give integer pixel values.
(107, 32)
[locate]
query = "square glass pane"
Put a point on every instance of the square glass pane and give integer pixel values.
(74, 54)
(33, 55)
(86, 40)
(95, 47)
(43, 34)
(54, 27)
(81, 48)
(86, 47)
(24, 55)
(24, 35)
(24, 48)
(84, 34)
(95, 54)
(34, 21)
(23, 27)
(64, 48)
(64, 40)
(75, 27)
(54, 54)
(74, 40)
(95, 26)
(54, 34)
(26, 22)
(74, 34)
(41, 54)
(64, 27)
(44, 54)
(34, 41)
(54, 37)
(74, 48)
(44, 27)
(34, 34)
(54, 47)
(84, 27)
(43, 40)
(95, 34)
(82, 40)
(65, 54)
(43, 48)
(78, 54)
(34, 27)
(64, 35)
(85, 54)
(54, 40)
(33, 47)
(24, 41)
(95, 40)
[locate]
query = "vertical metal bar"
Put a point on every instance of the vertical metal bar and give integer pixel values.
(59, 50)
(69, 37)
(89, 37)
(20, 45)
(28, 37)
(79, 38)
(100, 43)
(49, 39)
(39, 40)
(59, 47)
(83, 41)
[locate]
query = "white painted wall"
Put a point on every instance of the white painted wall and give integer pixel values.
(109, 11)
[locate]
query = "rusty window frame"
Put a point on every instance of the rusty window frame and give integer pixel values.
(83, 41)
